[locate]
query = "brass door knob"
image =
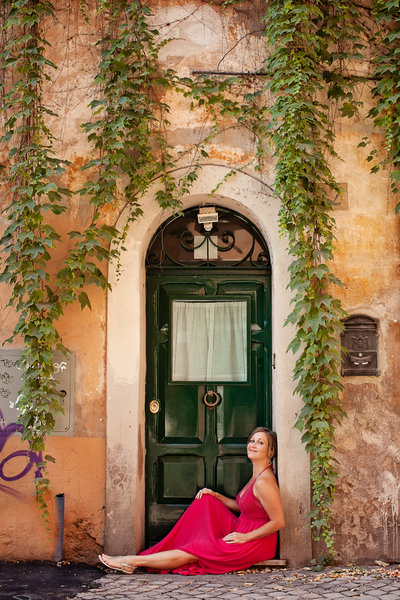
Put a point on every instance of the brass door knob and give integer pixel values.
(154, 406)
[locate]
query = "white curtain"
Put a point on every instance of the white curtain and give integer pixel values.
(209, 340)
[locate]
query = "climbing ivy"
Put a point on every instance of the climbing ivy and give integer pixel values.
(127, 125)
(386, 112)
(33, 194)
(302, 68)
(128, 132)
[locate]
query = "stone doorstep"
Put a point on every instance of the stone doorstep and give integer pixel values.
(276, 562)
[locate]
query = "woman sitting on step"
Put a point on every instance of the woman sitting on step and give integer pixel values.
(209, 537)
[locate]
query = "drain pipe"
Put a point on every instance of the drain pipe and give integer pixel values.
(60, 502)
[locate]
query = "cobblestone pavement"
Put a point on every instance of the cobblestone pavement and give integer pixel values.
(362, 583)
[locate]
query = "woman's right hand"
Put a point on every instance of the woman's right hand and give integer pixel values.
(204, 491)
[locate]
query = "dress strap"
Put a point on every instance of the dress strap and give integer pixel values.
(269, 466)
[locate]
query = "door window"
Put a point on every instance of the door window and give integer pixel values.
(209, 341)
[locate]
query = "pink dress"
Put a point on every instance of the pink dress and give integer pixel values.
(202, 526)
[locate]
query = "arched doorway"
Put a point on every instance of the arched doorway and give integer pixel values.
(209, 357)
(126, 372)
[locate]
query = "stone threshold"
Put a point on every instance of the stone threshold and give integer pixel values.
(276, 562)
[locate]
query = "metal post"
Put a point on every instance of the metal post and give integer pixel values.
(60, 503)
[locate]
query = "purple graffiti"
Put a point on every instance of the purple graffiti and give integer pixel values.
(35, 458)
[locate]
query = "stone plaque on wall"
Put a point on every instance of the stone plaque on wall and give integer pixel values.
(10, 384)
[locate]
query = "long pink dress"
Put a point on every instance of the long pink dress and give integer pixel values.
(202, 526)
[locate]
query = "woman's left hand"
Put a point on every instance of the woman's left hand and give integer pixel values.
(235, 538)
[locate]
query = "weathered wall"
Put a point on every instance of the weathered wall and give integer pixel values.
(79, 471)
(78, 474)
(366, 517)
(367, 259)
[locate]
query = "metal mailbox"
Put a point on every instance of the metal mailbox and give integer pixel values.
(360, 346)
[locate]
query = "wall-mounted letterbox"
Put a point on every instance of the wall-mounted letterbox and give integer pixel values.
(10, 384)
(360, 346)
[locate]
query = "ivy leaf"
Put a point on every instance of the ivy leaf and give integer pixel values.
(294, 345)
(84, 300)
(396, 175)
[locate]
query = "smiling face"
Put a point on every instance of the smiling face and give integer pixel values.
(258, 447)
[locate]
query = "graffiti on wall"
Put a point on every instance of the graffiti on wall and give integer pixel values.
(16, 465)
(33, 459)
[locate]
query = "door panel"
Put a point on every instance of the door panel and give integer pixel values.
(232, 473)
(190, 445)
(179, 478)
(179, 421)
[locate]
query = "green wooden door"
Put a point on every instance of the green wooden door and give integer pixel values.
(189, 443)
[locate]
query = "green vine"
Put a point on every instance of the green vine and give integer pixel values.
(29, 238)
(129, 134)
(386, 112)
(123, 133)
(304, 38)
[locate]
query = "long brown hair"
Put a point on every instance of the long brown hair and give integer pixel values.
(271, 437)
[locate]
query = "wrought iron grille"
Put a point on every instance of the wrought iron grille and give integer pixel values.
(233, 241)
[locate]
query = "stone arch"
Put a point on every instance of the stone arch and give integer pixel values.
(126, 368)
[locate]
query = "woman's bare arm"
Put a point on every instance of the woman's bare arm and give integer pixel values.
(229, 502)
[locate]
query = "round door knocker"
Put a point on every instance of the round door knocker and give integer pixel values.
(154, 406)
(211, 399)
